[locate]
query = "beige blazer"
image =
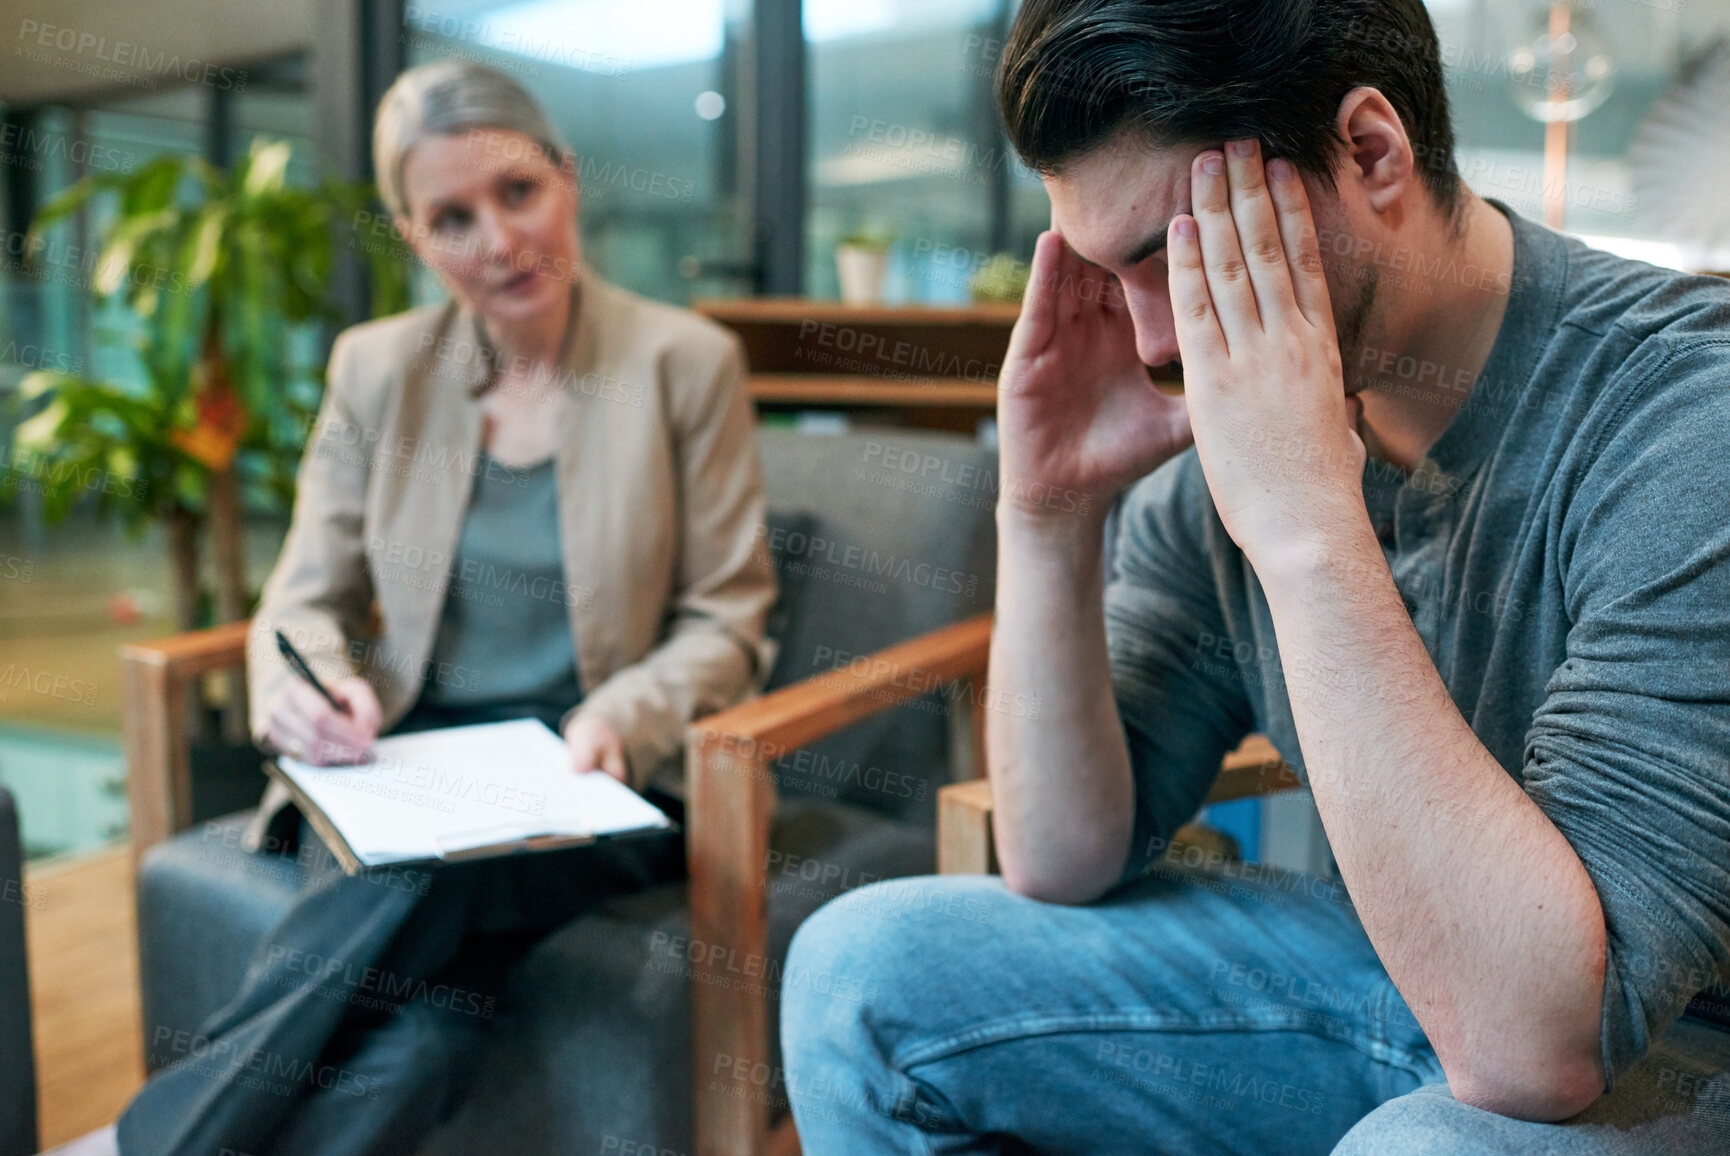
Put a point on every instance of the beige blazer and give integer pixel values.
(660, 514)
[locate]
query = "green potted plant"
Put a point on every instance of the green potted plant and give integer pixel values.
(227, 271)
(862, 265)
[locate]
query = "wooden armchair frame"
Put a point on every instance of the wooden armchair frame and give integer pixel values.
(156, 683)
(730, 788)
(730, 782)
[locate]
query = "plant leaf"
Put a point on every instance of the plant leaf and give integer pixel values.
(267, 166)
(123, 239)
(199, 256)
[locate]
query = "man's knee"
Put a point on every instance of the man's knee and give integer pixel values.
(839, 948)
(886, 927)
(865, 951)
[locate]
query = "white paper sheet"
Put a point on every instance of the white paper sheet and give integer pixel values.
(435, 793)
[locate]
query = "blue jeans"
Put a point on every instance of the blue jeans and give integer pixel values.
(1190, 1012)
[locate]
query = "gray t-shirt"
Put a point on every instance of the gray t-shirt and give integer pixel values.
(1564, 552)
(504, 638)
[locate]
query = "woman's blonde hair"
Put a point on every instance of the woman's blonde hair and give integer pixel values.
(444, 98)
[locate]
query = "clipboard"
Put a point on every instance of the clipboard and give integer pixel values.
(463, 799)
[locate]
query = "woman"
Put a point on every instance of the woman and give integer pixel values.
(539, 500)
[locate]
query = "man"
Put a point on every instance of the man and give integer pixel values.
(1453, 535)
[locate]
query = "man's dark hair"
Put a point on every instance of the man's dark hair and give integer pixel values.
(1076, 72)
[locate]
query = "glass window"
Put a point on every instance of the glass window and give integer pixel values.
(1505, 73)
(73, 592)
(906, 143)
(643, 93)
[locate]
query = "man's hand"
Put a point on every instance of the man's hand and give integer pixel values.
(595, 746)
(1273, 427)
(305, 726)
(1078, 417)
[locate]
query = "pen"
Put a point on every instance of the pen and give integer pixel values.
(298, 664)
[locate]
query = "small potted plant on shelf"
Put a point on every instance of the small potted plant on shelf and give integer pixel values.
(862, 264)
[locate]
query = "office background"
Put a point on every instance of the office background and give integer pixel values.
(726, 147)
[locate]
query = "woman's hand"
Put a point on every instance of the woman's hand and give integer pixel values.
(596, 746)
(305, 726)
(1078, 417)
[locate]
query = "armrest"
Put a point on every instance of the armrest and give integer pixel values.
(964, 841)
(1255, 768)
(823, 704)
(155, 677)
(730, 792)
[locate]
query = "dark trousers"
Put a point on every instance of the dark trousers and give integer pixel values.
(358, 1024)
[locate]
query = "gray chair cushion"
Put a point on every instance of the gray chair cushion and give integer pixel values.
(17, 1061)
(900, 541)
(203, 905)
(592, 1050)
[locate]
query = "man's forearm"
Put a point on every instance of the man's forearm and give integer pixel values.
(1482, 913)
(1062, 794)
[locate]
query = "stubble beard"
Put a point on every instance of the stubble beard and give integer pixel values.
(1349, 325)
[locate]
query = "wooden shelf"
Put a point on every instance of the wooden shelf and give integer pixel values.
(795, 310)
(938, 366)
(866, 390)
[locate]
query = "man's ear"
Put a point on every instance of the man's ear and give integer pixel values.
(1378, 154)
